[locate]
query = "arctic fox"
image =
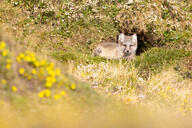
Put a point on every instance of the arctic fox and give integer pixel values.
(125, 48)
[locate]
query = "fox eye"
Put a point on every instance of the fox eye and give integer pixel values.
(124, 44)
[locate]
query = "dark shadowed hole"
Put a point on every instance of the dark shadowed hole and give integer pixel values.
(146, 40)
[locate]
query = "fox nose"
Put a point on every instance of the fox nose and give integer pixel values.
(127, 51)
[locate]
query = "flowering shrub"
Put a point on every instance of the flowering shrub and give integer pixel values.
(33, 71)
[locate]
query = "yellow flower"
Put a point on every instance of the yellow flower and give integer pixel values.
(29, 77)
(73, 86)
(63, 93)
(3, 81)
(26, 74)
(4, 53)
(33, 59)
(18, 59)
(51, 73)
(21, 55)
(42, 71)
(14, 88)
(21, 71)
(47, 93)
(36, 63)
(58, 72)
(57, 96)
(82, 74)
(48, 84)
(27, 52)
(27, 58)
(185, 100)
(32, 54)
(34, 71)
(41, 94)
(163, 95)
(51, 65)
(2, 102)
(2, 45)
(43, 63)
(8, 66)
(51, 79)
(48, 79)
(9, 61)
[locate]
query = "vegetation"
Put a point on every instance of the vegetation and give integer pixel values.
(49, 78)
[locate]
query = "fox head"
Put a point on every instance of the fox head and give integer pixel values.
(130, 43)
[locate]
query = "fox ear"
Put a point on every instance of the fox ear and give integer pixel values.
(121, 38)
(134, 38)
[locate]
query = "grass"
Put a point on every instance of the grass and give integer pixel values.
(153, 90)
(155, 59)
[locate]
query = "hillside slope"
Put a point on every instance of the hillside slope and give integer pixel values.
(50, 79)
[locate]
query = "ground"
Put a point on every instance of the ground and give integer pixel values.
(49, 77)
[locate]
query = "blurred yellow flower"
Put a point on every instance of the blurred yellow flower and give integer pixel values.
(27, 52)
(41, 94)
(58, 72)
(51, 65)
(51, 79)
(63, 93)
(4, 53)
(14, 88)
(2, 45)
(27, 58)
(21, 71)
(57, 96)
(82, 74)
(33, 59)
(34, 71)
(21, 55)
(18, 59)
(51, 73)
(48, 84)
(43, 63)
(2, 102)
(26, 74)
(48, 79)
(73, 86)
(32, 54)
(42, 71)
(8, 66)
(163, 95)
(29, 77)
(9, 61)
(36, 63)
(47, 93)
(185, 100)
(3, 81)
